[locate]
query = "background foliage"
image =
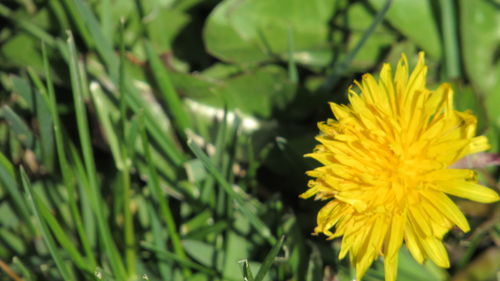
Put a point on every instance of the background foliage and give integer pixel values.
(163, 139)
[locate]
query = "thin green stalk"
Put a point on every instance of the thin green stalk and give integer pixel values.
(130, 252)
(247, 272)
(63, 162)
(269, 260)
(36, 80)
(208, 185)
(338, 70)
(228, 161)
(60, 14)
(130, 247)
(88, 158)
(163, 203)
(78, 21)
(450, 40)
(165, 267)
(293, 76)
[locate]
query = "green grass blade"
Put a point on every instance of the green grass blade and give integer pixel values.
(19, 127)
(450, 41)
(46, 136)
(47, 237)
(247, 272)
(164, 266)
(242, 205)
(8, 181)
(103, 113)
(88, 158)
(60, 235)
(87, 206)
(130, 250)
(60, 14)
(268, 261)
(102, 44)
(74, 14)
(202, 232)
(165, 210)
(207, 192)
(106, 52)
(25, 272)
(63, 162)
(180, 117)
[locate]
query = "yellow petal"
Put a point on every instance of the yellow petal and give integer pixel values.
(478, 144)
(436, 251)
(417, 77)
(439, 223)
(447, 208)
(401, 77)
(420, 222)
(340, 111)
(395, 235)
(391, 268)
(468, 190)
(413, 244)
(450, 174)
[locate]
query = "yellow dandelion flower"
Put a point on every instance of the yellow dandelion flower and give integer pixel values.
(386, 172)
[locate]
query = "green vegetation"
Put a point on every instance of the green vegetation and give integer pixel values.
(164, 139)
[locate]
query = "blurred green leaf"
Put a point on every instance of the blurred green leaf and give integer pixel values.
(416, 21)
(261, 93)
(255, 31)
(480, 34)
(359, 19)
(22, 87)
(21, 129)
(21, 50)
(163, 26)
(200, 251)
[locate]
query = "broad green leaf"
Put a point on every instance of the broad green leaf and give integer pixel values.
(14, 240)
(200, 251)
(21, 50)
(260, 93)
(254, 31)
(164, 26)
(480, 33)
(416, 21)
(22, 87)
(237, 248)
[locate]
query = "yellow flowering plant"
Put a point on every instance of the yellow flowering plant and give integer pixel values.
(386, 169)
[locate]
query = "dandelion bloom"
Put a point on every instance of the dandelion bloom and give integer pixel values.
(386, 172)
